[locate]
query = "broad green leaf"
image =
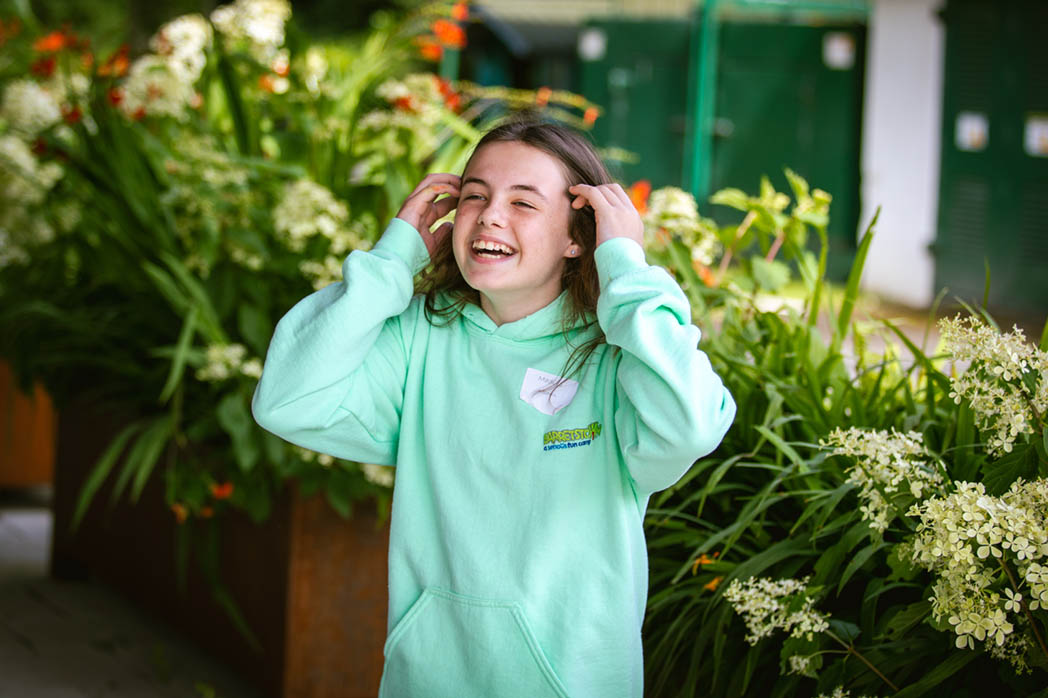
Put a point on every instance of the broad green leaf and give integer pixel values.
(233, 415)
(847, 632)
(771, 276)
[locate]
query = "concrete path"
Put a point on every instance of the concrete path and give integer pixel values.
(79, 640)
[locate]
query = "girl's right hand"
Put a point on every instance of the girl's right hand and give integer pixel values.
(422, 209)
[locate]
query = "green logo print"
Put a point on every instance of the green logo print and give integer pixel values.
(570, 438)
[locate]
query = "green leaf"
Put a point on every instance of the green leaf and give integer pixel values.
(146, 452)
(851, 290)
(339, 492)
(857, 561)
(956, 661)
(101, 471)
(235, 418)
(999, 475)
(255, 326)
(907, 619)
(178, 361)
(771, 276)
(847, 632)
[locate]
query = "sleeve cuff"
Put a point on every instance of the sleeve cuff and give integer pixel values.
(401, 240)
(617, 257)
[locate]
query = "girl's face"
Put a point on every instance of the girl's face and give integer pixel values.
(511, 228)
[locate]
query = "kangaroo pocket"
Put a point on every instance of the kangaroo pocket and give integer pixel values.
(454, 646)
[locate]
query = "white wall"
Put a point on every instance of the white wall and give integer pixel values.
(900, 148)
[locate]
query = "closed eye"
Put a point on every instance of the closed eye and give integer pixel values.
(523, 204)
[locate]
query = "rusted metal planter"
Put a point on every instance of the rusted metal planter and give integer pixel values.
(27, 433)
(311, 586)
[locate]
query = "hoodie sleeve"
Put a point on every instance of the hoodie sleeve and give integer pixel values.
(671, 408)
(334, 375)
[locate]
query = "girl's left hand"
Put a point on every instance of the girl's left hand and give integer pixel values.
(616, 215)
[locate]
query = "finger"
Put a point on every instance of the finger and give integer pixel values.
(596, 197)
(437, 178)
(620, 194)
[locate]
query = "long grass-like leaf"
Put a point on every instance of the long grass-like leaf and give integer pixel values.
(178, 361)
(851, 289)
(101, 471)
(142, 456)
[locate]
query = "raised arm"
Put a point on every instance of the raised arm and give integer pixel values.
(672, 408)
(334, 375)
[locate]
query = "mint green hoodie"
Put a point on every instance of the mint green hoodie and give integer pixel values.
(517, 560)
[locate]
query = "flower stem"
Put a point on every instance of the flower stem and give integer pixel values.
(780, 237)
(739, 232)
(1026, 608)
(851, 650)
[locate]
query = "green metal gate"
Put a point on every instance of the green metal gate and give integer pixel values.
(993, 198)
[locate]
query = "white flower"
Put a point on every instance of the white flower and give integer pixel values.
(260, 22)
(154, 86)
(324, 273)
(224, 361)
(673, 213)
(183, 42)
(885, 463)
(28, 108)
(306, 210)
(381, 475)
(764, 605)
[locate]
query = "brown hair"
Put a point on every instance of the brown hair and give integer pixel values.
(581, 165)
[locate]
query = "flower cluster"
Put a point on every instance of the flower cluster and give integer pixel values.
(769, 604)
(1006, 382)
(259, 23)
(417, 102)
(24, 184)
(381, 475)
(972, 541)
(307, 210)
(672, 213)
(184, 42)
(225, 361)
(885, 463)
(157, 86)
(28, 108)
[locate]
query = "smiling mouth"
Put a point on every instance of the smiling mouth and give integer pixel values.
(491, 250)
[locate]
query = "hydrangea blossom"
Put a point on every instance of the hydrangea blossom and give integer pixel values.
(308, 209)
(969, 539)
(155, 86)
(996, 383)
(885, 463)
(183, 42)
(323, 273)
(417, 108)
(24, 184)
(28, 108)
(767, 605)
(840, 692)
(224, 361)
(673, 213)
(381, 475)
(259, 22)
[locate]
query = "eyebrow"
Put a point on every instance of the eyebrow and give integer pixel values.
(521, 187)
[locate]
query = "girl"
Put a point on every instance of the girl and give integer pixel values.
(542, 384)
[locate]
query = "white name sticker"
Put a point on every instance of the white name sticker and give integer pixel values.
(538, 391)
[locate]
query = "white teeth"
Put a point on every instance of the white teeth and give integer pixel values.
(493, 246)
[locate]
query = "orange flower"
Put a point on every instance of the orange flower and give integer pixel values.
(87, 60)
(181, 513)
(429, 49)
(115, 95)
(460, 12)
(590, 116)
(449, 33)
(265, 82)
(54, 42)
(452, 99)
(404, 103)
(223, 491)
(713, 584)
(206, 512)
(72, 115)
(117, 64)
(542, 96)
(139, 114)
(703, 559)
(45, 67)
(639, 193)
(704, 272)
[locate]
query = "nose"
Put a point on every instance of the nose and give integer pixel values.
(492, 214)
